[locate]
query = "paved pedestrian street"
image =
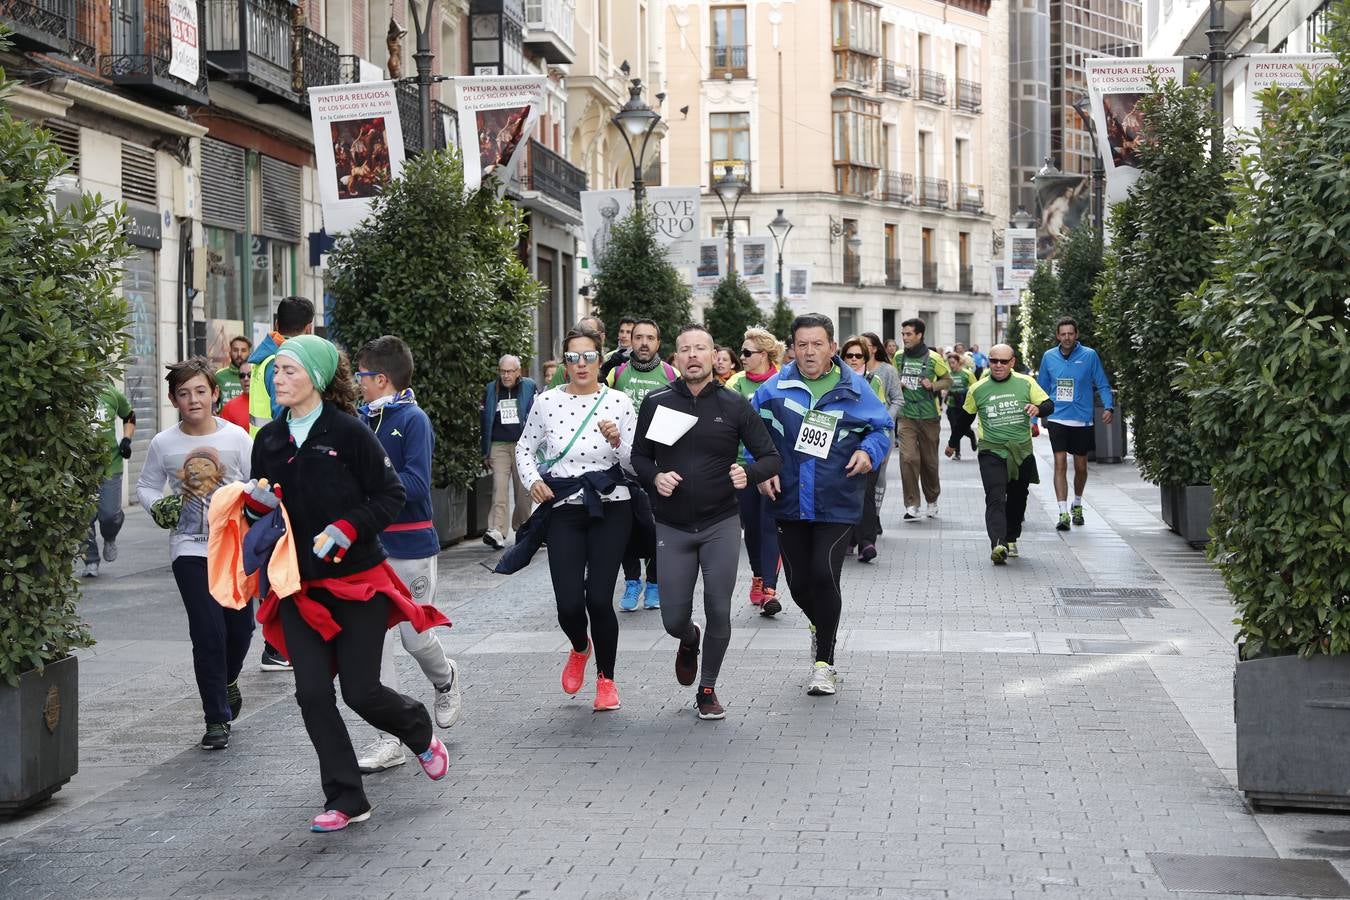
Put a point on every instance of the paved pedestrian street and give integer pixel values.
(990, 739)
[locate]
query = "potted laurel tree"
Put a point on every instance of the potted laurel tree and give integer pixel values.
(60, 324)
(1164, 250)
(1271, 381)
(636, 269)
(438, 267)
(1038, 311)
(731, 312)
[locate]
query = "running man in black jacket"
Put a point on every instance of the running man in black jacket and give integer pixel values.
(685, 453)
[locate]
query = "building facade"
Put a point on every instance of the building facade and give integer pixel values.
(874, 126)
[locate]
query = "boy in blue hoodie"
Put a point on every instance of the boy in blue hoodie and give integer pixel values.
(385, 369)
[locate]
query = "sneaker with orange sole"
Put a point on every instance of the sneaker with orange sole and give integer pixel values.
(606, 694)
(574, 672)
(771, 605)
(756, 591)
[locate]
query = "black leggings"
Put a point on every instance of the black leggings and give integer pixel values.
(869, 526)
(813, 558)
(1005, 501)
(960, 420)
(583, 558)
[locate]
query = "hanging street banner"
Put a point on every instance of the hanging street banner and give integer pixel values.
(797, 282)
(752, 264)
(496, 115)
(1115, 87)
(358, 148)
(1282, 70)
(1004, 293)
(184, 41)
(712, 254)
(674, 210)
(1021, 256)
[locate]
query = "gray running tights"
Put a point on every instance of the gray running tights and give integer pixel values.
(715, 551)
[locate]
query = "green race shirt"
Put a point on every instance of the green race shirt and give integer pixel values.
(227, 379)
(962, 381)
(821, 386)
(1001, 407)
(920, 403)
(112, 405)
(637, 385)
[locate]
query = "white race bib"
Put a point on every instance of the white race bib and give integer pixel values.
(817, 434)
(509, 412)
(1063, 390)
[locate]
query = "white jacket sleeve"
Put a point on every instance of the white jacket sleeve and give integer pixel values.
(532, 437)
(150, 485)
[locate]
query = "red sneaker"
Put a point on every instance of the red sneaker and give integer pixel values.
(574, 672)
(756, 591)
(606, 694)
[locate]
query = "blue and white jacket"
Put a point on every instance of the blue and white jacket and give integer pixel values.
(819, 490)
(405, 434)
(1081, 372)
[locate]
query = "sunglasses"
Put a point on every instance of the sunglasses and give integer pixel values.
(854, 356)
(993, 361)
(572, 357)
(746, 352)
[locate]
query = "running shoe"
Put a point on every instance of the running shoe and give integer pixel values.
(999, 554)
(686, 659)
(822, 681)
(493, 538)
(1077, 515)
(109, 551)
(629, 601)
(90, 570)
(606, 694)
(1063, 523)
(449, 703)
(435, 760)
(932, 510)
(217, 736)
(235, 698)
(332, 820)
(272, 661)
(771, 605)
(708, 707)
(867, 553)
(651, 597)
(574, 672)
(756, 591)
(911, 514)
(383, 753)
(1012, 550)
(957, 456)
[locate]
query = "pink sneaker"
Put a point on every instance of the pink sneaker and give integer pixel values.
(332, 820)
(435, 760)
(756, 591)
(606, 694)
(574, 672)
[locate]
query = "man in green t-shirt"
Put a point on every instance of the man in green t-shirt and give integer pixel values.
(112, 405)
(1005, 401)
(923, 376)
(227, 379)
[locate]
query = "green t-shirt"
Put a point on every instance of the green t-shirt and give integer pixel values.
(227, 379)
(1001, 407)
(878, 386)
(962, 381)
(637, 385)
(112, 405)
(920, 402)
(821, 386)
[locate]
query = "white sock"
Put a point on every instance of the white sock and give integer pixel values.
(1077, 501)
(1064, 506)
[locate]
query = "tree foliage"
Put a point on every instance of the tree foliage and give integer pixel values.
(438, 267)
(62, 319)
(1080, 263)
(636, 278)
(732, 311)
(1039, 309)
(780, 323)
(1269, 372)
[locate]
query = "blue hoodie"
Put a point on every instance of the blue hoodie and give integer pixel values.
(405, 433)
(268, 346)
(1070, 382)
(819, 490)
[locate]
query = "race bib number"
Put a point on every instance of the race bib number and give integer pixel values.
(909, 382)
(1063, 390)
(817, 434)
(509, 412)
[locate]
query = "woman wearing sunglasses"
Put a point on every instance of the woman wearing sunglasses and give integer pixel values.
(761, 354)
(857, 354)
(584, 431)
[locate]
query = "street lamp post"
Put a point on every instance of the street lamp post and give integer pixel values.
(1081, 106)
(636, 121)
(423, 57)
(1217, 56)
(729, 189)
(779, 228)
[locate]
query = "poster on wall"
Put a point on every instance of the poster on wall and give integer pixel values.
(797, 282)
(358, 148)
(184, 52)
(1004, 293)
(752, 263)
(1282, 70)
(1021, 255)
(674, 211)
(1115, 87)
(496, 115)
(712, 254)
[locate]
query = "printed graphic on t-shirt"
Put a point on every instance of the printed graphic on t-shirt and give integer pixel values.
(195, 477)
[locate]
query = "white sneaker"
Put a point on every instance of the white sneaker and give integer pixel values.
(822, 680)
(911, 514)
(932, 510)
(90, 570)
(384, 753)
(449, 702)
(493, 538)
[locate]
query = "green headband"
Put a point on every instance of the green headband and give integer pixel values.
(318, 356)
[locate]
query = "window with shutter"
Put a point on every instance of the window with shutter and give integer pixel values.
(281, 200)
(223, 185)
(138, 175)
(67, 137)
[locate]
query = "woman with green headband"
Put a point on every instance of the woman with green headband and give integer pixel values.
(339, 491)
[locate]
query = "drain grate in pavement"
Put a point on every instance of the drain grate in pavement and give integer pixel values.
(1110, 613)
(1146, 648)
(1139, 597)
(1250, 876)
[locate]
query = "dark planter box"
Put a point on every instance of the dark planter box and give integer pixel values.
(39, 735)
(1109, 440)
(1293, 725)
(1194, 506)
(480, 505)
(1169, 497)
(450, 512)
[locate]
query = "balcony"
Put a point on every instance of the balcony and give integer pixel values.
(852, 269)
(895, 78)
(553, 177)
(142, 51)
(932, 86)
(854, 68)
(39, 24)
(319, 62)
(967, 280)
(717, 170)
(930, 276)
(249, 42)
(893, 273)
(728, 59)
(83, 37)
(410, 116)
(548, 29)
(968, 95)
(933, 193)
(970, 198)
(896, 187)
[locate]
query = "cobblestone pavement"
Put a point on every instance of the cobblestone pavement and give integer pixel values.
(976, 749)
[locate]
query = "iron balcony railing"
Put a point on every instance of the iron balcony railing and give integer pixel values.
(554, 177)
(141, 51)
(930, 276)
(970, 198)
(932, 86)
(410, 118)
(39, 24)
(319, 62)
(968, 95)
(933, 192)
(852, 269)
(895, 78)
(250, 41)
(733, 58)
(893, 273)
(349, 68)
(897, 187)
(83, 33)
(967, 280)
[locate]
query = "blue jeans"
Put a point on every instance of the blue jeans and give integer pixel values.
(761, 535)
(109, 516)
